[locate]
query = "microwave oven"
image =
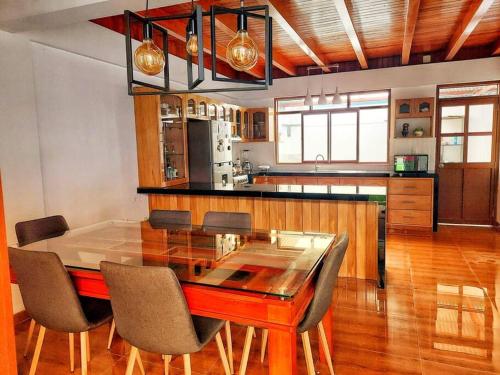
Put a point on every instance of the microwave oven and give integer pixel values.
(410, 163)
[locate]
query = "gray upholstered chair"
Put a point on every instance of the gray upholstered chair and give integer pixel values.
(161, 219)
(238, 223)
(314, 314)
(151, 313)
(227, 220)
(170, 219)
(52, 301)
(40, 229)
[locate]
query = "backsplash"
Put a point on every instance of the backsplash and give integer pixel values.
(263, 153)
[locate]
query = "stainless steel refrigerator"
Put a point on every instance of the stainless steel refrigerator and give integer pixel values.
(210, 152)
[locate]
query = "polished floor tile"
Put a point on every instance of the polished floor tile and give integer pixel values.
(439, 314)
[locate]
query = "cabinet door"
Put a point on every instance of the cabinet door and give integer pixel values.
(403, 108)
(423, 107)
(246, 126)
(259, 124)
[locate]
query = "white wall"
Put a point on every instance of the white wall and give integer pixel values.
(19, 150)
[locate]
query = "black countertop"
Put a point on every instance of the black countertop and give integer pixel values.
(346, 173)
(320, 192)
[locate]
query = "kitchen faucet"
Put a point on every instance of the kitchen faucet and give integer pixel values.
(316, 161)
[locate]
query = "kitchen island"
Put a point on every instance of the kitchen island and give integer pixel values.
(359, 210)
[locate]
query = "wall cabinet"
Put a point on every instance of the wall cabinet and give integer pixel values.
(161, 135)
(414, 118)
(417, 107)
(258, 125)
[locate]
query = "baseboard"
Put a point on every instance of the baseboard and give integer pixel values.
(20, 317)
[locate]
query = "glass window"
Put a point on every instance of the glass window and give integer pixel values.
(315, 136)
(468, 91)
(330, 104)
(370, 99)
(292, 105)
(479, 148)
(289, 138)
(373, 135)
(481, 118)
(452, 149)
(452, 119)
(344, 136)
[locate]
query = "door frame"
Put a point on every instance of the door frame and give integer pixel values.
(8, 363)
(467, 101)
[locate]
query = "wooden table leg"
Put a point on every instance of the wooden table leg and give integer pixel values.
(282, 352)
(328, 326)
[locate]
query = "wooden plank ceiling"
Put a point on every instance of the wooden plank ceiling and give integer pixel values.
(356, 34)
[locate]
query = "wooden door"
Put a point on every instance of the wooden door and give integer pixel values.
(8, 364)
(259, 124)
(466, 157)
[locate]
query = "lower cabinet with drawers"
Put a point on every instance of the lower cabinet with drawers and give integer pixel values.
(410, 201)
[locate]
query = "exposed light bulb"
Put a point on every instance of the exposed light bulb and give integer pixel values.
(322, 98)
(308, 101)
(148, 57)
(242, 53)
(192, 45)
(337, 99)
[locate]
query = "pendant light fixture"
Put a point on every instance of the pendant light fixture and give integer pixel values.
(242, 52)
(322, 97)
(337, 99)
(308, 100)
(148, 57)
(192, 40)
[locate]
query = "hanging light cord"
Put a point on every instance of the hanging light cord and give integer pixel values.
(147, 8)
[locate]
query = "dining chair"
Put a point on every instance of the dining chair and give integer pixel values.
(51, 300)
(161, 219)
(151, 313)
(315, 312)
(40, 229)
(237, 222)
(170, 219)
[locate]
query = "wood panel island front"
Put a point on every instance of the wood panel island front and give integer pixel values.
(359, 210)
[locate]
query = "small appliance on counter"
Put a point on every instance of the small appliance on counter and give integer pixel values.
(411, 163)
(210, 152)
(247, 166)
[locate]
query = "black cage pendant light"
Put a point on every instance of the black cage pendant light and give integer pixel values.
(151, 57)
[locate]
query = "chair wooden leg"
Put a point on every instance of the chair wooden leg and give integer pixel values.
(87, 339)
(111, 333)
(83, 352)
(229, 341)
(30, 335)
(71, 352)
(246, 350)
(265, 333)
(308, 353)
(326, 349)
(166, 362)
(131, 361)
(139, 362)
(38, 348)
(187, 364)
(222, 354)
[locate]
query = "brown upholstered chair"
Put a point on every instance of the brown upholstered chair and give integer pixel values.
(52, 301)
(170, 219)
(237, 223)
(162, 219)
(151, 313)
(40, 229)
(314, 314)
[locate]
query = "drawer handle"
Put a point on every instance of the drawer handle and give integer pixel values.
(410, 187)
(407, 217)
(408, 202)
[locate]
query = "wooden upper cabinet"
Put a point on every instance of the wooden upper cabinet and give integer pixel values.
(259, 126)
(161, 135)
(212, 111)
(417, 107)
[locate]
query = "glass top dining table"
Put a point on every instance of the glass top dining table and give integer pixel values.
(274, 262)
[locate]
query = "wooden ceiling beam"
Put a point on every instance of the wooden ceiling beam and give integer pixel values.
(496, 48)
(412, 8)
(227, 25)
(466, 26)
(345, 17)
(276, 11)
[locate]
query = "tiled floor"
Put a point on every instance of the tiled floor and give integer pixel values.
(438, 315)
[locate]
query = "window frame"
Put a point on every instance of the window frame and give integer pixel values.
(329, 112)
